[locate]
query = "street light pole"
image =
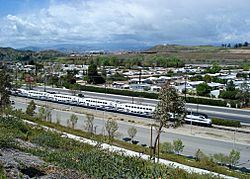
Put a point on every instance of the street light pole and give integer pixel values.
(191, 122)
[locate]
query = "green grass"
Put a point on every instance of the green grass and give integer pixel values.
(207, 164)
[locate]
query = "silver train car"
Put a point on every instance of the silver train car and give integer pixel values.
(127, 108)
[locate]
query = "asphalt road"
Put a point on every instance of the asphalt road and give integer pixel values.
(212, 111)
(192, 143)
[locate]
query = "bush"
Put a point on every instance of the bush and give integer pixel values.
(206, 101)
(178, 146)
(1, 171)
(7, 139)
(53, 140)
(223, 122)
(166, 147)
(13, 123)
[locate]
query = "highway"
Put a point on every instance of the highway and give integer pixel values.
(191, 142)
(212, 111)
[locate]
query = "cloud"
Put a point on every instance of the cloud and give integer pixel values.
(130, 21)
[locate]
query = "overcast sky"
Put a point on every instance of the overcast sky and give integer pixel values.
(149, 22)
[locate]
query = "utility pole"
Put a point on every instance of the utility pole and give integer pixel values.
(191, 122)
(151, 141)
(185, 87)
(140, 77)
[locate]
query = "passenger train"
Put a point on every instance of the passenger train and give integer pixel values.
(127, 108)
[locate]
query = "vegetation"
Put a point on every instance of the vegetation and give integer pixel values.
(90, 160)
(132, 132)
(169, 148)
(230, 92)
(208, 79)
(214, 69)
(111, 128)
(170, 103)
(89, 123)
(244, 94)
(73, 120)
(232, 159)
(203, 89)
(93, 77)
(223, 122)
(205, 163)
(8, 54)
(139, 60)
(44, 114)
(5, 87)
(31, 108)
(178, 146)
(166, 147)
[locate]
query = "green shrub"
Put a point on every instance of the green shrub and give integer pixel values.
(2, 171)
(206, 101)
(14, 126)
(7, 139)
(223, 122)
(53, 140)
(166, 147)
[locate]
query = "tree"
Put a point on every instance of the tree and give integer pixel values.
(245, 44)
(89, 123)
(48, 115)
(111, 128)
(230, 92)
(5, 88)
(244, 94)
(199, 155)
(178, 146)
(234, 157)
(45, 114)
(31, 108)
(203, 89)
(214, 69)
(73, 120)
(93, 76)
(230, 86)
(132, 132)
(207, 78)
(169, 112)
(42, 113)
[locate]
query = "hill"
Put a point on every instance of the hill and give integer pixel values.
(11, 54)
(203, 54)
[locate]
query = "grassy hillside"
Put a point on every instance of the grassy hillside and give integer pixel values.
(9, 54)
(203, 54)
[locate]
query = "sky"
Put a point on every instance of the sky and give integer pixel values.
(143, 22)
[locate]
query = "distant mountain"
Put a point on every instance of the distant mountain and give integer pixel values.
(78, 48)
(7, 53)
